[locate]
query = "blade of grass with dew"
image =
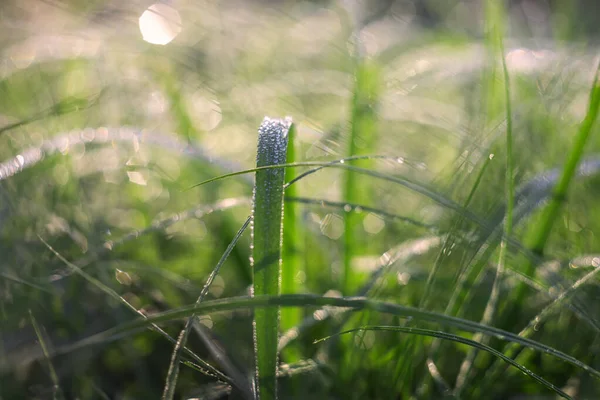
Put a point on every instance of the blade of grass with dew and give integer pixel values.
(457, 339)
(309, 300)
(292, 249)
(363, 137)
(173, 372)
(209, 369)
(267, 230)
(57, 391)
(495, 15)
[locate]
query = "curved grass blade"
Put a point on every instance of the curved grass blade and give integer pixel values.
(458, 339)
(318, 164)
(394, 159)
(157, 225)
(414, 186)
(349, 207)
(267, 232)
(173, 372)
(308, 300)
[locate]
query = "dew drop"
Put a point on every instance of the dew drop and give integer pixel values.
(123, 277)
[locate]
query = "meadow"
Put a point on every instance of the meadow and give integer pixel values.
(298, 200)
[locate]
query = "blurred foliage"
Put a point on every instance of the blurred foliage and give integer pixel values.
(188, 111)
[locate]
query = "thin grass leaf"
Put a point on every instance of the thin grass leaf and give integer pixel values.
(449, 241)
(497, 18)
(114, 295)
(56, 390)
(457, 339)
(267, 231)
(319, 166)
(541, 232)
(514, 350)
(349, 207)
(308, 300)
(409, 184)
(173, 372)
(157, 225)
(20, 281)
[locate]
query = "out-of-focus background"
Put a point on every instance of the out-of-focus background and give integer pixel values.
(110, 111)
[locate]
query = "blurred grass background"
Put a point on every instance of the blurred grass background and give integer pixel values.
(411, 80)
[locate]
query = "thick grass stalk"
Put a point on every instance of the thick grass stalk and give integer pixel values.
(363, 138)
(267, 229)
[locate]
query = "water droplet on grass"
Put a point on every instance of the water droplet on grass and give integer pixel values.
(123, 277)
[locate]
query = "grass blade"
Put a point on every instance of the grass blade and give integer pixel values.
(267, 230)
(58, 393)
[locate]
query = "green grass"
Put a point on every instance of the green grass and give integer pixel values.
(267, 240)
(426, 228)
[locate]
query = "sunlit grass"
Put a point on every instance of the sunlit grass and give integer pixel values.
(438, 221)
